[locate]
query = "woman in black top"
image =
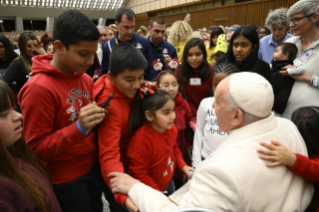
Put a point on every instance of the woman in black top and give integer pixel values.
(243, 52)
(7, 54)
(19, 70)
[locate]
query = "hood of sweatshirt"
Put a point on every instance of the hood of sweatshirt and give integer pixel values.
(41, 64)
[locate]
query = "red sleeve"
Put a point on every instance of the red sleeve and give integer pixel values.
(39, 111)
(140, 154)
(307, 168)
(109, 135)
(180, 163)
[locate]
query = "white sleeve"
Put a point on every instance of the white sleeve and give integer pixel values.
(298, 68)
(212, 188)
(199, 133)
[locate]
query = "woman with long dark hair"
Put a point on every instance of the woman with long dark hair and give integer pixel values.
(195, 74)
(7, 54)
(243, 52)
(24, 182)
(19, 71)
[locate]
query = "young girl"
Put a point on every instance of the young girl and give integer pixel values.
(208, 136)
(153, 153)
(168, 81)
(307, 122)
(7, 54)
(243, 51)
(213, 43)
(50, 48)
(195, 74)
(24, 183)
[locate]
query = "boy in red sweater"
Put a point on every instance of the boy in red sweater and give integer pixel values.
(127, 65)
(59, 115)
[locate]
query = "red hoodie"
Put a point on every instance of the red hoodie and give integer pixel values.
(113, 135)
(50, 102)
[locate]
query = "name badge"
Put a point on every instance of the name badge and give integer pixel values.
(195, 81)
(307, 56)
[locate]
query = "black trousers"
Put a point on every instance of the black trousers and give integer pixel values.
(82, 194)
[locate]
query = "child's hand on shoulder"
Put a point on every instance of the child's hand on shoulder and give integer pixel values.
(277, 153)
(91, 115)
(186, 170)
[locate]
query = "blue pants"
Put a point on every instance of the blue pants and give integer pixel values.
(170, 189)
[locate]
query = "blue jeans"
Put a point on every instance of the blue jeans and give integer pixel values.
(170, 189)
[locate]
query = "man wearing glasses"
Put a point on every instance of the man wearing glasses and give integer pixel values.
(278, 22)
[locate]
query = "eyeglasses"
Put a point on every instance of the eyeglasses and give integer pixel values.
(297, 19)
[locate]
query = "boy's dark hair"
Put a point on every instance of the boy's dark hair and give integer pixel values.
(130, 15)
(187, 71)
(150, 102)
(72, 26)
(215, 32)
(289, 48)
(163, 73)
(307, 121)
(126, 56)
(226, 68)
(157, 20)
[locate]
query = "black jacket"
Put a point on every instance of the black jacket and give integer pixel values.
(282, 85)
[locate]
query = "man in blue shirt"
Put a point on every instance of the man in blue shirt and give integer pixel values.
(161, 49)
(125, 22)
(278, 22)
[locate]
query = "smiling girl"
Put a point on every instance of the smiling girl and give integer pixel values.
(195, 74)
(243, 51)
(24, 183)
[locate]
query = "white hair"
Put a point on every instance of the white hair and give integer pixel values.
(102, 27)
(278, 16)
(248, 118)
(308, 7)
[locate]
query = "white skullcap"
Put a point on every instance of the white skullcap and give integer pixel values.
(252, 92)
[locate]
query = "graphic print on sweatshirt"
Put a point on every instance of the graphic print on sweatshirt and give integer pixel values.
(170, 166)
(212, 119)
(75, 100)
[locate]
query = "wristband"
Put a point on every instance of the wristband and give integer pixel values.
(80, 128)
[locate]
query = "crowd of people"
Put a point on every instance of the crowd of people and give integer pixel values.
(160, 118)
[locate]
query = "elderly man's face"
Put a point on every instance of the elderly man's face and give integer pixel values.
(228, 38)
(221, 106)
(279, 32)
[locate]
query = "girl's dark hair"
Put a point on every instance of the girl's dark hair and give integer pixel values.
(215, 32)
(307, 121)
(163, 73)
(186, 71)
(249, 32)
(26, 59)
(10, 53)
(8, 168)
(225, 68)
(150, 102)
(265, 28)
(289, 48)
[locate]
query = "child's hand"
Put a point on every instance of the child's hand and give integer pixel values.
(284, 73)
(186, 170)
(277, 153)
(212, 55)
(90, 116)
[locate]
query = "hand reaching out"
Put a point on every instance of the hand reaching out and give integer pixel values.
(277, 153)
(131, 207)
(121, 183)
(186, 170)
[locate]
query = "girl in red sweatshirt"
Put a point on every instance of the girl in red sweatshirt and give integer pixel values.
(153, 153)
(169, 82)
(307, 121)
(24, 182)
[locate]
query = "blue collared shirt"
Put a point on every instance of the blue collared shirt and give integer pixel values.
(163, 48)
(267, 47)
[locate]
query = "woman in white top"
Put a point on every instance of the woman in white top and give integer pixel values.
(208, 136)
(304, 16)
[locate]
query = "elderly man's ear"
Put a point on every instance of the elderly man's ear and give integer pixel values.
(238, 118)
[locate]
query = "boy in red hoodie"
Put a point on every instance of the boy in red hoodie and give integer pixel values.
(59, 116)
(127, 65)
